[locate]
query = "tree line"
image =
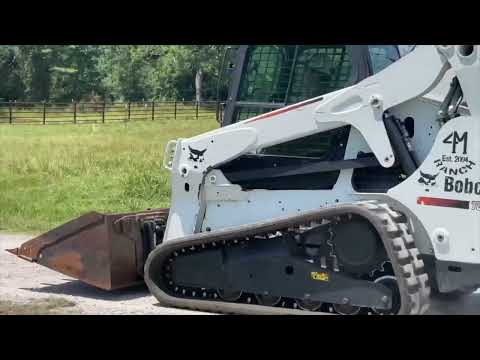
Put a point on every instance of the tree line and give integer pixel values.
(62, 73)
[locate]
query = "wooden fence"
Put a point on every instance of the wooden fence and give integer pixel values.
(91, 112)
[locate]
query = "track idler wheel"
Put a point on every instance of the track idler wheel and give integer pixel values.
(346, 309)
(309, 305)
(268, 300)
(390, 282)
(229, 295)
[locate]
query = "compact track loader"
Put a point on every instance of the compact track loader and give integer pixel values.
(358, 200)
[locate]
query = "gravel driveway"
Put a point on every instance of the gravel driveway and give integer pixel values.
(21, 281)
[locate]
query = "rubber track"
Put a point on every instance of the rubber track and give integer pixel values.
(392, 227)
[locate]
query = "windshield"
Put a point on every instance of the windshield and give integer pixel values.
(288, 74)
(382, 56)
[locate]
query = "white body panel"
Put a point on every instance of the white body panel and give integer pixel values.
(211, 202)
(460, 240)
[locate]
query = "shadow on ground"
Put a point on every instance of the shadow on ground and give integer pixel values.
(467, 305)
(77, 288)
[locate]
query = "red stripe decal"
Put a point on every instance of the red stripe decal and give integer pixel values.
(283, 110)
(459, 204)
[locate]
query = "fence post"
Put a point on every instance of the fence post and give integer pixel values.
(196, 110)
(103, 112)
(74, 112)
(128, 111)
(175, 110)
(153, 110)
(10, 118)
(44, 112)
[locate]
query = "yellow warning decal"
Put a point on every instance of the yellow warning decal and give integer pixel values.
(320, 276)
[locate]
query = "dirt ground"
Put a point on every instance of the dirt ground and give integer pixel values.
(32, 288)
(24, 283)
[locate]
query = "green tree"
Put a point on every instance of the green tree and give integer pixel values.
(188, 71)
(124, 70)
(118, 72)
(12, 83)
(74, 74)
(34, 70)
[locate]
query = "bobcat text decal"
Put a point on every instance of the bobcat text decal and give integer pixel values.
(465, 186)
(452, 166)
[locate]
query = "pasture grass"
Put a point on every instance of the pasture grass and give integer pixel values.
(52, 174)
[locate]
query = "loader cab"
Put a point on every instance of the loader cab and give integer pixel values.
(263, 78)
(268, 77)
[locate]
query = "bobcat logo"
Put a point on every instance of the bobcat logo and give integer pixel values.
(196, 155)
(427, 179)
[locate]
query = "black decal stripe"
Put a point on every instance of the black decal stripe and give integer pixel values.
(459, 204)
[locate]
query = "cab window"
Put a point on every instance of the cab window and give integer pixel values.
(266, 74)
(287, 74)
(319, 70)
(382, 56)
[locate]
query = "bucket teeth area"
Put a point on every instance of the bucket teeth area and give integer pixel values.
(13, 251)
(103, 250)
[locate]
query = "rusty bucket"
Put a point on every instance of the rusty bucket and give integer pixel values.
(107, 251)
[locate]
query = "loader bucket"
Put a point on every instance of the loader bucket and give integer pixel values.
(107, 251)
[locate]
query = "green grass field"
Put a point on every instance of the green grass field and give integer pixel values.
(51, 174)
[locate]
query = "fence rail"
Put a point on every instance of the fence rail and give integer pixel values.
(89, 112)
